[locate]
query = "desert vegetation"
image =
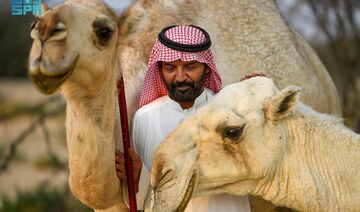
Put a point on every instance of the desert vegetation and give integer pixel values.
(32, 125)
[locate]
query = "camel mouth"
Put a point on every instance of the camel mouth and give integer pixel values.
(49, 84)
(188, 192)
(174, 195)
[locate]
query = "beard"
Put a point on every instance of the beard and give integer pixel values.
(188, 95)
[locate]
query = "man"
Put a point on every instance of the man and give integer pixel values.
(181, 78)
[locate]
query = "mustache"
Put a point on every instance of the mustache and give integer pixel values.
(179, 84)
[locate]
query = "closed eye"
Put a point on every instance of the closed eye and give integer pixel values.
(169, 68)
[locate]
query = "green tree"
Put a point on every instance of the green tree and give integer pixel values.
(337, 23)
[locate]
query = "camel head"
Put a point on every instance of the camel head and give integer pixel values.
(73, 42)
(231, 145)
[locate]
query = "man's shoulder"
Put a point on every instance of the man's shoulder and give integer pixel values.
(209, 93)
(157, 104)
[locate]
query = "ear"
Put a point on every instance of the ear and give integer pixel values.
(282, 104)
(131, 21)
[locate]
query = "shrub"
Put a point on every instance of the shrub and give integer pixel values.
(42, 199)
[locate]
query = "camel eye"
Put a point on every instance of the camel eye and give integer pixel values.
(103, 29)
(104, 35)
(233, 133)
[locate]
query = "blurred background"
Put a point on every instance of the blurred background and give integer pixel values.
(33, 156)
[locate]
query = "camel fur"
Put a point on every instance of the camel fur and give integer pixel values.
(254, 139)
(80, 48)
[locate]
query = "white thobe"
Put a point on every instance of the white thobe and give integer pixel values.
(151, 124)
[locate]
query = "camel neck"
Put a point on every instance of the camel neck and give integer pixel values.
(311, 172)
(91, 135)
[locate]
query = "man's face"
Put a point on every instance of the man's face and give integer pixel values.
(184, 79)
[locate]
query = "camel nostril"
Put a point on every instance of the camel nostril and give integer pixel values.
(59, 27)
(49, 27)
(163, 172)
(57, 32)
(167, 176)
(33, 24)
(165, 180)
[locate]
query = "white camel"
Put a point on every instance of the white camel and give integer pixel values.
(254, 139)
(81, 47)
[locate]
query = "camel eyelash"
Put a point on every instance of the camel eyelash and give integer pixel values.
(233, 133)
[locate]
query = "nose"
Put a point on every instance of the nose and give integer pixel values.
(170, 155)
(49, 27)
(181, 75)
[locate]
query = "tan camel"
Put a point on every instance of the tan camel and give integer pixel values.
(254, 139)
(81, 47)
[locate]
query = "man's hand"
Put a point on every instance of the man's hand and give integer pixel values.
(253, 75)
(136, 165)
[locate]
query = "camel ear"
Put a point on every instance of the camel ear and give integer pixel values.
(131, 21)
(44, 8)
(282, 104)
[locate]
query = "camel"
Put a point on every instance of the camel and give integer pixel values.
(254, 139)
(81, 47)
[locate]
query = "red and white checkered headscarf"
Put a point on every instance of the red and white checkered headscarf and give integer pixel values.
(153, 86)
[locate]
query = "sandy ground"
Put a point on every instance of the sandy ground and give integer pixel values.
(23, 174)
